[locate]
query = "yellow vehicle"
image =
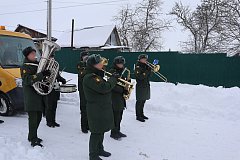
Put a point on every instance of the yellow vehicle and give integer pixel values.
(11, 58)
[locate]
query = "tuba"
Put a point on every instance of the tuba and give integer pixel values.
(47, 62)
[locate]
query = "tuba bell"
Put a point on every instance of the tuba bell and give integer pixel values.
(47, 62)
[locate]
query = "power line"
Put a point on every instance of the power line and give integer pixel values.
(46, 30)
(75, 2)
(38, 10)
(68, 2)
(22, 4)
(64, 7)
(87, 4)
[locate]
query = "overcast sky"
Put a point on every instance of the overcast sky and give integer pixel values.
(33, 14)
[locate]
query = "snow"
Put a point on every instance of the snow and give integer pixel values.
(186, 123)
(114, 47)
(87, 37)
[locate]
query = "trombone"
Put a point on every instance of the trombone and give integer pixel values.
(155, 69)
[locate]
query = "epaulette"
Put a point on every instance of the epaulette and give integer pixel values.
(96, 78)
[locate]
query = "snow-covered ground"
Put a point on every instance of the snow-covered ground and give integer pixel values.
(186, 123)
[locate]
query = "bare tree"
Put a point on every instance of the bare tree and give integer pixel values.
(186, 18)
(124, 26)
(231, 25)
(204, 23)
(141, 26)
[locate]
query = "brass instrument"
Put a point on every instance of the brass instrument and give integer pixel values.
(123, 83)
(104, 61)
(130, 85)
(45, 86)
(128, 74)
(155, 69)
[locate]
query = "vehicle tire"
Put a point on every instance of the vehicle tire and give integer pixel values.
(6, 108)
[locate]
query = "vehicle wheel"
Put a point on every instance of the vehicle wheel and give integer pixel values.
(5, 106)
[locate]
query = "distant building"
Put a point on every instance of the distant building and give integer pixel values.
(38, 37)
(93, 38)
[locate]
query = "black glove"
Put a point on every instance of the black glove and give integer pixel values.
(45, 89)
(116, 75)
(101, 73)
(149, 68)
(63, 81)
(125, 92)
(46, 73)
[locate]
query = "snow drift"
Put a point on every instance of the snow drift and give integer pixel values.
(186, 123)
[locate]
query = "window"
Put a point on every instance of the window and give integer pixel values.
(11, 50)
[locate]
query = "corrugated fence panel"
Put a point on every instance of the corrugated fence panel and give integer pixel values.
(208, 69)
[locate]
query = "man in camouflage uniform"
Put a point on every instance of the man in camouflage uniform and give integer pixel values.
(33, 102)
(142, 74)
(99, 105)
(81, 73)
(118, 101)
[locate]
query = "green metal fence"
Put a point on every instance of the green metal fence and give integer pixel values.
(208, 69)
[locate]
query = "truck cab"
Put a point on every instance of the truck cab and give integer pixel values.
(11, 59)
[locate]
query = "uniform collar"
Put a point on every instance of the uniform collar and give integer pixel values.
(118, 69)
(141, 64)
(84, 63)
(91, 69)
(27, 61)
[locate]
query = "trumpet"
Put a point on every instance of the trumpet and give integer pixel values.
(155, 69)
(104, 61)
(123, 83)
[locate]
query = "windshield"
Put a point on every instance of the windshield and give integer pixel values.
(11, 50)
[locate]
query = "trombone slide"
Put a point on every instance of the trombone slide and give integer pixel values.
(155, 69)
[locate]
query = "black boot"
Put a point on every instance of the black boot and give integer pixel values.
(97, 158)
(115, 136)
(36, 143)
(1, 121)
(121, 134)
(39, 140)
(105, 154)
(84, 130)
(56, 124)
(141, 119)
(51, 124)
(144, 117)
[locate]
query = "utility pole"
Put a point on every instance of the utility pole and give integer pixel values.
(72, 36)
(49, 20)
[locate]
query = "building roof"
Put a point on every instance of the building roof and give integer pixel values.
(92, 37)
(33, 33)
(14, 34)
